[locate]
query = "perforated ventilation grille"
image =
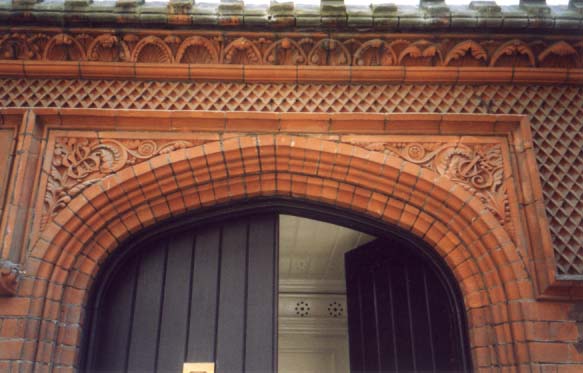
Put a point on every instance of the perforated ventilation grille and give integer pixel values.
(556, 114)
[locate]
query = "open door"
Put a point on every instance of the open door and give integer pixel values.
(403, 315)
(206, 295)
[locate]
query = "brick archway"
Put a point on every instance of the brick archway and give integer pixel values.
(477, 249)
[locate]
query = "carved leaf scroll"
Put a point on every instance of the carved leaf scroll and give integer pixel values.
(478, 168)
(80, 162)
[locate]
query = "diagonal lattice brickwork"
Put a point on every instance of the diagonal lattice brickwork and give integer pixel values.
(556, 114)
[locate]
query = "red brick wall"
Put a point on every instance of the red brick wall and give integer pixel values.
(230, 157)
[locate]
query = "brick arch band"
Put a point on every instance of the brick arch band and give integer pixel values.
(478, 251)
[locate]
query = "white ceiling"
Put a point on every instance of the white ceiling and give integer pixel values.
(312, 252)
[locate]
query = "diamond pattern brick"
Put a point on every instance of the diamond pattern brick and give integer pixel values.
(556, 113)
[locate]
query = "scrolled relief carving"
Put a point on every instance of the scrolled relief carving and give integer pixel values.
(478, 168)
(421, 53)
(375, 53)
(285, 52)
(63, 47)
(16, 47)
(513, 53)
(108, 48)
(560, 54)
(152, 49)
(199, 47)
(329, 52)
(242, 51)
(466, 53)
(79, 162)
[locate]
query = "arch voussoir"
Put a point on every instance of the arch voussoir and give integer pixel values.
(470, 240)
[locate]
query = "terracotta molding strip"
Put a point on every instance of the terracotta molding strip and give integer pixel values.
(313, 49)
(289, 74)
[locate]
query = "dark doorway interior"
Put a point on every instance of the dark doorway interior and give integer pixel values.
(205, 289)
(401, 315)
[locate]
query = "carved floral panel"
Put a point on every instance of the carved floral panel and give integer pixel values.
(78, 162)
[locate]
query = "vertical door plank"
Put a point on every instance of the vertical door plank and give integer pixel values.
(174, 319)
(204, 296)
(112, 325)
(261, 298)
(386, 321)
(354, 301)
(146, 318)
(421, 328)
(231, 321)
(442, 319)
(400, 311)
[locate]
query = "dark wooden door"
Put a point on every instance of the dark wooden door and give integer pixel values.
(402, 315)
(205, 295)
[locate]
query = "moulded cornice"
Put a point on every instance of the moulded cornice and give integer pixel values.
(290, 57)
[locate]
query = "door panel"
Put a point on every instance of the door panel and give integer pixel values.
(198, 296)
(401, 314)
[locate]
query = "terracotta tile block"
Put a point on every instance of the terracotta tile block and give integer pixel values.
(314, 187)
(329, 190)
(299, 185)
(206, 194)
(393, 210)
(358, 123)
(61, 69)
(421, 224)
(268, 73)
(268, 184)
(384, 74)
(435, 233)
(107, 240)
(185, 180)
(237, 188)
(212, 72)
(448, 242)
(149, 71)
(323, 74)
(484, 74)
(258, 122)
(10, 350)
(549, 352)
(361, 199)
(376, 204)
(221, 192)
(161, 210)
(466, 124)
(12, 328)
(14, 306)
(345, 195)
(132, 223)
(97, 70)
(253, 184)
(408, 217)
(409, 124)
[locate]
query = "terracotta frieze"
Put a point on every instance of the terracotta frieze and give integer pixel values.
(78, 162)
(478, 168)
(315, 49)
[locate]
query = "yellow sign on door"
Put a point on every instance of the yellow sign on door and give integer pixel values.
(198, 368)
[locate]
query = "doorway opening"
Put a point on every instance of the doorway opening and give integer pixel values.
(275, 287)
(312, 320)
